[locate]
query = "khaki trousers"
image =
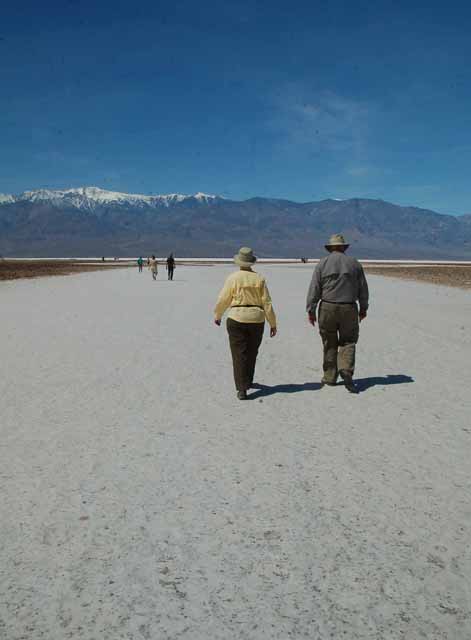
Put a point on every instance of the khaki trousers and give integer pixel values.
(339, 329)
(244, 340)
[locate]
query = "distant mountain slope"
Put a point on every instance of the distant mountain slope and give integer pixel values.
(92, 221)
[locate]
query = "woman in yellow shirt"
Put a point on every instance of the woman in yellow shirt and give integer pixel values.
(245, 294)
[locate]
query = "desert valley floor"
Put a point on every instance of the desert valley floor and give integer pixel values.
(142, 500)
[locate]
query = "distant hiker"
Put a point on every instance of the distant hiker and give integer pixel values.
(170, 266)
(337, 283)
(140, 262)
(153, 266)
(246, 295)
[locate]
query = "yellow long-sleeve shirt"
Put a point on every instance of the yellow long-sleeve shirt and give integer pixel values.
(245, 294)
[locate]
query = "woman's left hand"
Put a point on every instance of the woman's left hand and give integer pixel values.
(273, 332)
(218, 322)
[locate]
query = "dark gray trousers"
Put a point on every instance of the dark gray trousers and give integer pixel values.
(244, 340)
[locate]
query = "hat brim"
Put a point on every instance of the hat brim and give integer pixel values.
(337, 244)
(244, 263)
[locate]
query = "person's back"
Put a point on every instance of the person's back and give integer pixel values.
(338, 282)
(153, 266)
(341, 279)
(245, 295)
(170, 266)
(247, 290)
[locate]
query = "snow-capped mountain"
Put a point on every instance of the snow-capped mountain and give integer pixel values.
(93, 221)
(89, 198)
(6, 199)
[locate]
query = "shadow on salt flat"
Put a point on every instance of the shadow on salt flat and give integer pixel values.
(364, 384)
(264, 390)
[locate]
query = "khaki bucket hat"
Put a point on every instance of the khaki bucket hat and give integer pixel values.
(245, 257)
(336, 240)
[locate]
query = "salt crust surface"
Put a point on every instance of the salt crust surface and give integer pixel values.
(140, 499)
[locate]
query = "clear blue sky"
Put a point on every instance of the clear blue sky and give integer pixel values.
(303, 100)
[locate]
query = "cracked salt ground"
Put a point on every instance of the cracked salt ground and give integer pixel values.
(141, 500)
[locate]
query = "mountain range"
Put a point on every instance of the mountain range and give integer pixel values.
(92, 221)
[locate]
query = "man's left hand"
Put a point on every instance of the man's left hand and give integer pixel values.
(312, 318)
(217, 322)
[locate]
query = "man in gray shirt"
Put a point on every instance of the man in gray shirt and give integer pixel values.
(337, 283)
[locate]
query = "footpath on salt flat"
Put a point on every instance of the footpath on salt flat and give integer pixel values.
(141, 499)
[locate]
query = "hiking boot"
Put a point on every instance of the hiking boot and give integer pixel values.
(349, 384)
(242, 395)
(324, 383)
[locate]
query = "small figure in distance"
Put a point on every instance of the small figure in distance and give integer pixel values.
(245, 294)
(153, 266)
(170, 266)
(102, 258)
(337, 283)
(140, 262)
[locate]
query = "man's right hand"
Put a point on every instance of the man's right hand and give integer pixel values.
(312, 319)
(362, 315)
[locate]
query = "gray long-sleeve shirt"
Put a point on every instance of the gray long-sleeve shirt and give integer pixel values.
(338, 278)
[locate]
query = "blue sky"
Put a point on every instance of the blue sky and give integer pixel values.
(301, 100)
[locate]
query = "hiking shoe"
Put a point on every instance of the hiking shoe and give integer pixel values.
(349, 384)
(324, 383)
(242, 395)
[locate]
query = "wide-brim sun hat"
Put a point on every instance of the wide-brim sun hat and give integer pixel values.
(337, 240)
(245, 257)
